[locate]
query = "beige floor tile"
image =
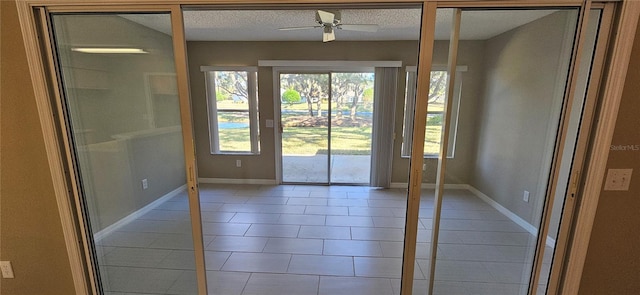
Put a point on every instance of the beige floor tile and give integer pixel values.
(321, 265)
(273, 230)
(242, 244)
(278, 284)
(355, 286)
(352, 248)
(294, 246)
(257, 262)
(324, 232)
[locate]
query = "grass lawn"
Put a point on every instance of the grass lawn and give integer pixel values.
(346, 140)
(313, 140)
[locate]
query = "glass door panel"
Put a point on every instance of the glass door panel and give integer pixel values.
(504, 135)
(580, 112)
(120, 94)
(351, 126)
(304, 111)
(436, 99)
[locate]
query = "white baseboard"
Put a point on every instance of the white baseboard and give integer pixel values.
(137, 214)
(514, 217)
(237, 181)
(429, 185)
(506, 212)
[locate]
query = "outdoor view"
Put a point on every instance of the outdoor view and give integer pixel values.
(435, 112)
(305, 122)
(233, 111)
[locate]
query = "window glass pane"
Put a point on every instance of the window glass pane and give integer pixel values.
(437, 91)
(433, 134)
(233, 117)
(234, 131)
(232, 90)
(435, 117)
(437, 99)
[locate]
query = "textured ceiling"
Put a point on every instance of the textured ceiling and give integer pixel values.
(395, 24)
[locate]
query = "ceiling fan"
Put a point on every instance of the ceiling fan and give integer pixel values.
(329, 22)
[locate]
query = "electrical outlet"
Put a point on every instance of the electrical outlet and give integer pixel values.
(7, 270)
(424, 167)
(618, 180)
(145, 184)
(525, 196)
(238, 163)
(269, 123)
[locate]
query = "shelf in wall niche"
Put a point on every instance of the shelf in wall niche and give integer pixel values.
(88, 78)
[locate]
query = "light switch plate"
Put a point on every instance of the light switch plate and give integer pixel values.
(7, 270)
(618, 180)
(145, 184)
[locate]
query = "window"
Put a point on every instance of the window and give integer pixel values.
(435, 112)
(232, 102)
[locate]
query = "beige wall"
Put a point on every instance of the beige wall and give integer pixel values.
(31, 233)
(521, 91)
(613, 260)
(248, 53)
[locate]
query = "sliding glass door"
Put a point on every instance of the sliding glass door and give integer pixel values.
(326, 122)
(304, 123)
(123, 109)
(351, 126)
(510, 106)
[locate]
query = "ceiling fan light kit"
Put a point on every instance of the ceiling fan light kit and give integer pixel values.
(331, 20)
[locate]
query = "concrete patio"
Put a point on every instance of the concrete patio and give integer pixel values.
(345, 169)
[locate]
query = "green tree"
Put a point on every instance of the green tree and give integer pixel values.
(221, 95)
(313, 87)
(291, 96)
(367, 96)
(437, 85)
(231, 84)
(350, 88)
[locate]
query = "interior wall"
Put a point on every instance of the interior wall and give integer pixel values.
(521, 76)
(248, 53)
(613, 259)
(118, 138)
(30, 228)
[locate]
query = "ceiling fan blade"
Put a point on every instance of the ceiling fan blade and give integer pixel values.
(360, 28)
(299, 28)
(328, 34)
(325, 16)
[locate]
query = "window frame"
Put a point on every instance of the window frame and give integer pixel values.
(409, 109)
(212, 110)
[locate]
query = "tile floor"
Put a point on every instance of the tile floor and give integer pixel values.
(314, 240)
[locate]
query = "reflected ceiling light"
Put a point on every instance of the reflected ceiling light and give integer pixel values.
(107, 50)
